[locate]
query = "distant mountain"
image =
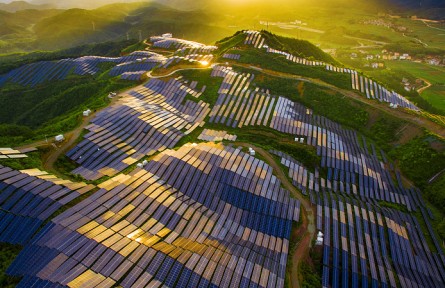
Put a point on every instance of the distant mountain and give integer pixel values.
(74, 27)
(23, 5)
(86, 4)
(418, 4)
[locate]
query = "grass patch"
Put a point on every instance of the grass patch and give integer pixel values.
(34, 160)
(8, 254)
(204, 77)
(395, 206)
(419, 161)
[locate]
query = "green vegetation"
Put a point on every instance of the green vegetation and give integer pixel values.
(312, 271)
(8, 254)
(435, 95)
(139, 46)
(230, 42)
(393, 206)
(297, 47)
(34, 160)
(431, 99)
(419, 161)
(393, 79)
(414, 50)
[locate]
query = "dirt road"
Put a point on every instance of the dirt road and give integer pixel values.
(428, 85)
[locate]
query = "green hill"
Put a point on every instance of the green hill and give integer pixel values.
(297, 47)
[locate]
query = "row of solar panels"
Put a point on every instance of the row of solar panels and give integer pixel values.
(231, 56)
(133, 76)
(373, 90)
(216, 136)
(295, 59)
(203, 215)
(192, 58)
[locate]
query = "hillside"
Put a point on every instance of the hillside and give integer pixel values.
(15, 6)
(30, 30)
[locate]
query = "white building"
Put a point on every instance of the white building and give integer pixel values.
(59, 138)
(86, 113)
(319, 240)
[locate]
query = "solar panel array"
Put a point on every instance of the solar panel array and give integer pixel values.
(231, 56)
(356, 180)
(351, 168)
(145, 120)
(40, 72)
(365, 244)
(254, 38)
(27, 200)
(237, 105)
(297, 172)
(373, 90)
(182, 45)
(204, 215)
(192, 58)
(215, 136)
(139, 65)
(133, 76)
